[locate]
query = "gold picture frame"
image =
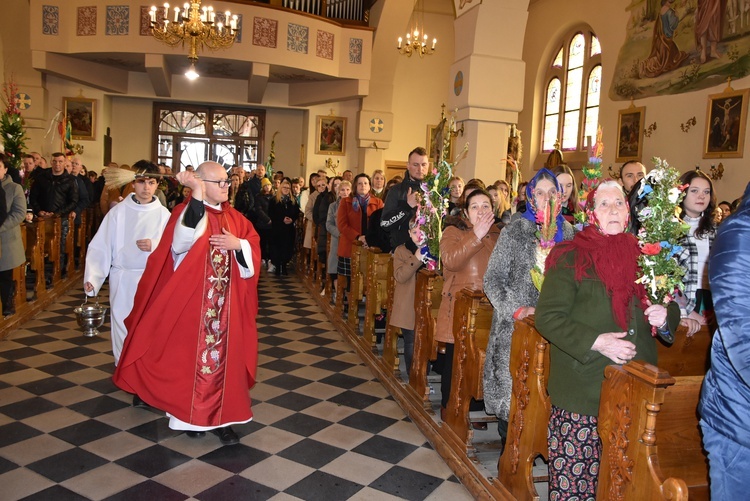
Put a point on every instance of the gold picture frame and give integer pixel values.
(331, 135)
(726, 124)
(81, 113)
(630, 123)
(433, 149)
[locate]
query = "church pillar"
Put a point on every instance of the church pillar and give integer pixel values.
(487, 82)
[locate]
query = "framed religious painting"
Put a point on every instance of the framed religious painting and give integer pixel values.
(726, 122)
(331, 135)
(435, 143)
(81, 114)
(630, 136)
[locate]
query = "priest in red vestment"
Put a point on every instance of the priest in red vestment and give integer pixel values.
(192, 343)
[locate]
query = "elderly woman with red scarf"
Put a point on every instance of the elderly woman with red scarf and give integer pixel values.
(593, 314)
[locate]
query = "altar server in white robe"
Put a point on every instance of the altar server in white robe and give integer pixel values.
(122, 245)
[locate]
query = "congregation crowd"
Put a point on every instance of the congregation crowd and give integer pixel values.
(590, 308)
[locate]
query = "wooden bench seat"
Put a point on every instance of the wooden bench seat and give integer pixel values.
(472, 319)
(530, 407)
(52, 237)
(357, 283)
(390, 340)
(427, 298)
(651, 441)
(379, 265)
(34, 244)
(70, 246)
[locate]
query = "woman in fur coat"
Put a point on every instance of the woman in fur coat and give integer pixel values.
(509, 287)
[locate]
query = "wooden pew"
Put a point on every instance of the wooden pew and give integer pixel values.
(299, 234)
(52, 239)
(472, 319)
(327, 278)
(376, 283)
(357, 286)
(312, 271)
(390, 341)
(19, 275)
(340, 292)
(651, 441)
(687, 356)
(529, 411)
(34, 243)
(427, 300)
(83, 236)
(70, 246)
(530, 407)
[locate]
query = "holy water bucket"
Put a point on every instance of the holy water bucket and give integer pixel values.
(90, 317)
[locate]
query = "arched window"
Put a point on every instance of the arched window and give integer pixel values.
(190, 135)
(572, 93)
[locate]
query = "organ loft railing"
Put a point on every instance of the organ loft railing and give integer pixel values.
(346, 11)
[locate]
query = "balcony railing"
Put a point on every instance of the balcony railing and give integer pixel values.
(356, 11)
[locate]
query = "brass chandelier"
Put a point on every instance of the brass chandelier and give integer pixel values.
(416, 39)
(196, 26)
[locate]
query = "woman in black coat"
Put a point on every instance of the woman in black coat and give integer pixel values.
(262, 221)
(320, 214)
(283, 211)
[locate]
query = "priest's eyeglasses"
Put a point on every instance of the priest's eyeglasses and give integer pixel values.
(223, 183)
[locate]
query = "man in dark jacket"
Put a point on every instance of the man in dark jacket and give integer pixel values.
(55, 192)
(244, 201)
(254, 182)
(724, 407)
(85, 188)
(401, 202)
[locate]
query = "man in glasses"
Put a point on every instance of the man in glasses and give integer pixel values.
(192, 345)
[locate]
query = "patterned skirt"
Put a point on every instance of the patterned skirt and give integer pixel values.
(345, 266)
(574, 451)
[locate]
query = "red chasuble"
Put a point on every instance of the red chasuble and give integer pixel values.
(192, 343)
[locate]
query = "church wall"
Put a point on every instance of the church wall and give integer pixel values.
(421, 86)
(551, 19)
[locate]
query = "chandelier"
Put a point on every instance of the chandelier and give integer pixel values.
(416, 39)
(196, 26)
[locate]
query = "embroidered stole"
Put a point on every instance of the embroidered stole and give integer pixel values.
(213, 335)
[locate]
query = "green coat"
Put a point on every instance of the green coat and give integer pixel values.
(571, 315)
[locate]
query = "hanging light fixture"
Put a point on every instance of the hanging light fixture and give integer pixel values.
(196, 26)
(416, 40)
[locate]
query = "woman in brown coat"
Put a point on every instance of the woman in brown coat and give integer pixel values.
(465, 249)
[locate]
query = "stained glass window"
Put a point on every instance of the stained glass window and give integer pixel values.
(558, 62)
(573, 89)
(570, 130)
(552, 114)
(577, 51)
(595, 47)
(592, 102)
(572, 97)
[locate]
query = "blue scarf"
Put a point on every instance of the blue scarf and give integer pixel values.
(531, 209)
(360, 201)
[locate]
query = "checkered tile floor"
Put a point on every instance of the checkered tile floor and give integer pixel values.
(324, 428)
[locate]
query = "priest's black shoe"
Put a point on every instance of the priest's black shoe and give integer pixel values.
(226, 435)
(138, 402)
(195, 434)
